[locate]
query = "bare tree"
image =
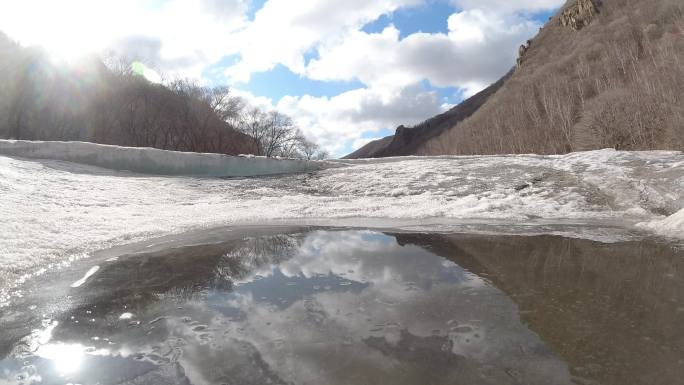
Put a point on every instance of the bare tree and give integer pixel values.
(253, 123)
(280, 134)
(309, 149)
(275, 134)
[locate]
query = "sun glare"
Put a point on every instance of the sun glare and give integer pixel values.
(67, 30)
(67, 358)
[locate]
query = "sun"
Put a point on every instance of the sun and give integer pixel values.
(67, 30)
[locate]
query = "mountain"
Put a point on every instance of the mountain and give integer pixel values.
(408, 140)
(599, 74)
(109, 103)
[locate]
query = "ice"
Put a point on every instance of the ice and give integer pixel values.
(87, 275)
(154, 161)
(52, 211)
(126, 316)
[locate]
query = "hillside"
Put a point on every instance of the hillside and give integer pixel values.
(109, 103)
(599, 74)
(408, 140)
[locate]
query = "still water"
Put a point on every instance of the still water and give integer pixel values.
(335, 306)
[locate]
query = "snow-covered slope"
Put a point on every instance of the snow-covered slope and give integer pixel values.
(154, 161)
(51, 211)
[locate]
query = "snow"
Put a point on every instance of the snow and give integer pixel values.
(672, 226)
(54, 211)
(154, 161)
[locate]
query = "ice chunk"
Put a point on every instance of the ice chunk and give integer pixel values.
(87, 275)
(126, 316)
(155, 161)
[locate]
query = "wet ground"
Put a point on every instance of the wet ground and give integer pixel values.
(340, 306)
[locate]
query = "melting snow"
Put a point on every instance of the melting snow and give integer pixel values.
(53, 210)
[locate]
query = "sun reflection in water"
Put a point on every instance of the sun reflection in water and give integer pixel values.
(67, 358)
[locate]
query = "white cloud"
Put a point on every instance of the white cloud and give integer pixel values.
(284, 30)
(509, 6)
(337, 121)
(250, 99)
(180, 36)
(478, 48)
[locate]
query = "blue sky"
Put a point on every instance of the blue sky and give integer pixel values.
(346, 71)
(280, 81)
(430, 17)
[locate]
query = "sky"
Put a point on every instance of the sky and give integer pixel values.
(347, 71)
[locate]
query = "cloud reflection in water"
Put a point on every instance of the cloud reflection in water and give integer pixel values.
(323, 307)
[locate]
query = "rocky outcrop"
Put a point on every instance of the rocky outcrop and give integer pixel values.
(579, 14)
(522, 51)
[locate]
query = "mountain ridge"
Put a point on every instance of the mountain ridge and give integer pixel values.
(406, 140)
(598, 74)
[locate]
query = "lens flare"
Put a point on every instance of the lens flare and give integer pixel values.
(148, 73)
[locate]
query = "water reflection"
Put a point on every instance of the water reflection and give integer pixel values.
(358, 307)
(612, 311)
(67, 358)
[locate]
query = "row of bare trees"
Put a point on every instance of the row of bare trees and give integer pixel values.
(107, 102)
(180, 115)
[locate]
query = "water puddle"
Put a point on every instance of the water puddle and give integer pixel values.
(322, 306)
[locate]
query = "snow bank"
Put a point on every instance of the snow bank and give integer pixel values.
(672, 226)
(51, 211)
(154, 161)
